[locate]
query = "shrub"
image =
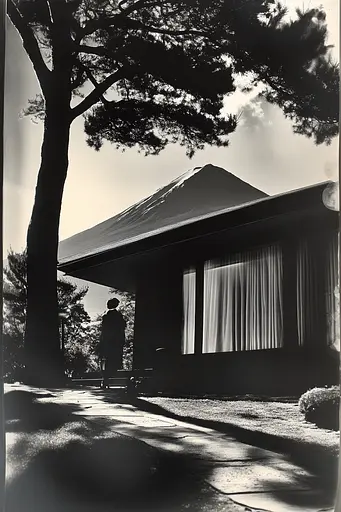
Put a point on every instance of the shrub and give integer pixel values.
(13, 361)
(321, 406)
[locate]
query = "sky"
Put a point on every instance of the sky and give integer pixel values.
(263, 151)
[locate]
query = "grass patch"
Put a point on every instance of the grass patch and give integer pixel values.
(272, 418)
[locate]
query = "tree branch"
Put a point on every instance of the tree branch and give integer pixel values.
(30, 44)
(136, 25)
(170, 32)
(101, 51)
(48, 7)
(62, 42)
(107, 21)
(97, 93)
(57, 10)
(92, 80)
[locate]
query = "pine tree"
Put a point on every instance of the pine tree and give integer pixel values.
(70, 302)
(147, 73)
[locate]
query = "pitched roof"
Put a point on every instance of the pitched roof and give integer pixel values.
(197, 193)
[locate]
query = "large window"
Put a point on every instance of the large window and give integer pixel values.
(242, 303)
(240, 299)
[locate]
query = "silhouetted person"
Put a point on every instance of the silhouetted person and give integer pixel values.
(112, 340)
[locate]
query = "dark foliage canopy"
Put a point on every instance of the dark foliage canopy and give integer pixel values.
(70, 296)
(148, 72)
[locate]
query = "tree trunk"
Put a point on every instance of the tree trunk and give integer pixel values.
(43, 356)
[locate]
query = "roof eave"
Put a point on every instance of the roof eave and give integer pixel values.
(309, 198)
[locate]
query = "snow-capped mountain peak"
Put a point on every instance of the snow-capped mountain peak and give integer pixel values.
(199, 191)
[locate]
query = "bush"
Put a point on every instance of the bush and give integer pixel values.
(321, 406)
(127, 360)
(13, 361)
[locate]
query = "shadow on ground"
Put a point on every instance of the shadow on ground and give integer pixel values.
(58, 461)
(314, 458)
(23, 412)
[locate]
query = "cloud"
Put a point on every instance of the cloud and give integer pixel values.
(250, 108)
(255, 114)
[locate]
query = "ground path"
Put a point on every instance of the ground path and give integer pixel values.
(253, 478)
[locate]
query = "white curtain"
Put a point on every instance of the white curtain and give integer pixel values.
(316, 277)
(307, 293)
(333, 291)
(188, 332)
(243, 307)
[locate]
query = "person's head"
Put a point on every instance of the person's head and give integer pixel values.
(113, 303)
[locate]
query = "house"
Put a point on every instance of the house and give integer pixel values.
(235, 286)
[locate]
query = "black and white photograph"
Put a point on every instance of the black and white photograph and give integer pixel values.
(170, 282)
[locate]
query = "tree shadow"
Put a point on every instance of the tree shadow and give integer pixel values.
(272, 477)
(118, 471)
(295, 490)
(23, 412)
(312, 457)
(62, 461)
